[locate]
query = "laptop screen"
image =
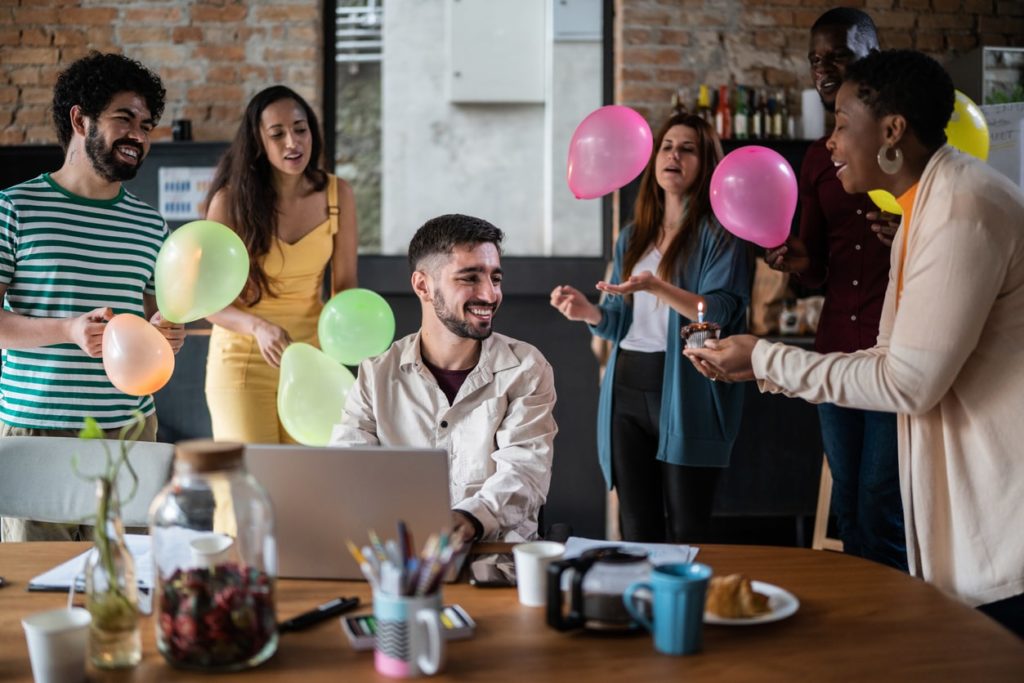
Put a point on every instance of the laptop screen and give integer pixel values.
(323, 497)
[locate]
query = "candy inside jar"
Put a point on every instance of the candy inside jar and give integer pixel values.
(217, 618)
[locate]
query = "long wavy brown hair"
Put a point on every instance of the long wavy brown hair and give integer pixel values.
(247, 178)
(650, 201)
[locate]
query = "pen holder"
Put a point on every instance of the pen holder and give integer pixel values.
(409, 641)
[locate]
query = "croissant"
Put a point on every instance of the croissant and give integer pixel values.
(731, 597)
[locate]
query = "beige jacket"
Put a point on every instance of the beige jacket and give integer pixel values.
(950, 361)
(499, 433)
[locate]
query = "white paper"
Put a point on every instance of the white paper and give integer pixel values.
(657, 553)
(1006, 148)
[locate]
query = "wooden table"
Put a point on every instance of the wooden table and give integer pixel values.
(857, 621)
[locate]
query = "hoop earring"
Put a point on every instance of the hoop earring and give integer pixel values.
(890, 166)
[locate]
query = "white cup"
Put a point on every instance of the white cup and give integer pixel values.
(57, 644)
(211, 550)
(532, 560)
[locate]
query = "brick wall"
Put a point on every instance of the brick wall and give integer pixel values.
(212, 55)
(662, 45)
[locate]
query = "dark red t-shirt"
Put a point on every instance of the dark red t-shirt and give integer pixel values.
(847, 259)
(450, 381)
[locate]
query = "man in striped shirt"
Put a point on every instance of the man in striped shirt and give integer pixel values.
(75, 249)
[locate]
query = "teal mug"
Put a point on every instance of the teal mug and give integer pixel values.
(676, 595)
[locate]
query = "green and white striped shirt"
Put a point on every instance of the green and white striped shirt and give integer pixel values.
(62, 255)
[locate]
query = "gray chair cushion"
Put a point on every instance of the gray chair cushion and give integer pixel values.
(37, 480)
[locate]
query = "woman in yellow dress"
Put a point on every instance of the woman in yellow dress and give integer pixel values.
(295, 220)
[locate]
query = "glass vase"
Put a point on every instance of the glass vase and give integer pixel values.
(111, 591)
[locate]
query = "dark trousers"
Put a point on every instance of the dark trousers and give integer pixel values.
(658, 502)
(862, 454)
(1008, 612)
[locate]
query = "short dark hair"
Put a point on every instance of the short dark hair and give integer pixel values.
(91, 83)
(849, 17)
(442, 234)
(910, 84)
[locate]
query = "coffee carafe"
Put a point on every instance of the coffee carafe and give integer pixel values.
(599, 578)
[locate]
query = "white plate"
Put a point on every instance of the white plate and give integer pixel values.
(782, 603)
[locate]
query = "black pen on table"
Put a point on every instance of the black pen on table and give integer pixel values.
(320, 613)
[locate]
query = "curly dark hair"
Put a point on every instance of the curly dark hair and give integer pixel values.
(442, 234)
(852, 18)
(245, 174)
(910, 84)
(91, 83)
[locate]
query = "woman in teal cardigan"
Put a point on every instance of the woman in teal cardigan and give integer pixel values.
(664, 431)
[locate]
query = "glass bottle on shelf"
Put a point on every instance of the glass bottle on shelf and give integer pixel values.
(741, 122)
(704, 104)
(723, 116)
(215, 557)
(759, 117)
(681, 100)
(779, 115)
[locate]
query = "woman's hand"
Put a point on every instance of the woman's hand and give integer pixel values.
(172, 332)
(645, 281)
(726, 359)
(884, 225)
(272, 340)
(571, 303)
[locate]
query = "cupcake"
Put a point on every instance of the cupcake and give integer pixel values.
(695, 334)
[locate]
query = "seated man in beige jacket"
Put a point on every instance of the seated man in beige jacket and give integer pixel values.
(485, 398)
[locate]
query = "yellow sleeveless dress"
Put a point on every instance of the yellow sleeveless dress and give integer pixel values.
(241, 389)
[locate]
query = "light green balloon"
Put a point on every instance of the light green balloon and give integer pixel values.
(355, 325)
(201, 268)
(311, 393)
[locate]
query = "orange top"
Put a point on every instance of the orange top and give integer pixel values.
(906, 202)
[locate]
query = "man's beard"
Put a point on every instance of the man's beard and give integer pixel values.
(104, 160)
(461, 328)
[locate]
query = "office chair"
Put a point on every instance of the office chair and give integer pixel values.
(38, 482)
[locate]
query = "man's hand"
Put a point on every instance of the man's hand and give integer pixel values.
(463, 529)
(791, 257)
(87, 330)
(726, 359)
(884, 225)
(571, 303)
(172, 332)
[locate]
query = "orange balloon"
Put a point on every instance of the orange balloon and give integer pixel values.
(137, 358)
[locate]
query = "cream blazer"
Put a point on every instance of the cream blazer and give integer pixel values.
(950, 361)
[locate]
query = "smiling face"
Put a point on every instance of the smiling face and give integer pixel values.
(678, 162)
(855, 142)
(286, 136)
(117, 141)
(832, 49)
(466, 290)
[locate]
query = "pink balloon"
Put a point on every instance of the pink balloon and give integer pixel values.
(610, 148)
(137, 358)
(753, 194)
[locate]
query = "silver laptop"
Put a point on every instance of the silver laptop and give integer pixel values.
(323, 497)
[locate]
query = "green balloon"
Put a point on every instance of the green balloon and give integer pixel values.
(311, 393)
(355, 325)
(201, 268)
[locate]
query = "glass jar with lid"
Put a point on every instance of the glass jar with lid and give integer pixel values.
(215, 561)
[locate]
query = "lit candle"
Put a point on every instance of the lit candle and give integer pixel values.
(700, 311)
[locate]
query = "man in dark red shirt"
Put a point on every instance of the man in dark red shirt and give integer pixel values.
(844, 247)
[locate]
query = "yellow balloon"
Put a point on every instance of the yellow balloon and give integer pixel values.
(886, 202)
(967, 129)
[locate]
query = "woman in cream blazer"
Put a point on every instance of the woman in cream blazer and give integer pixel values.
(950, 352)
